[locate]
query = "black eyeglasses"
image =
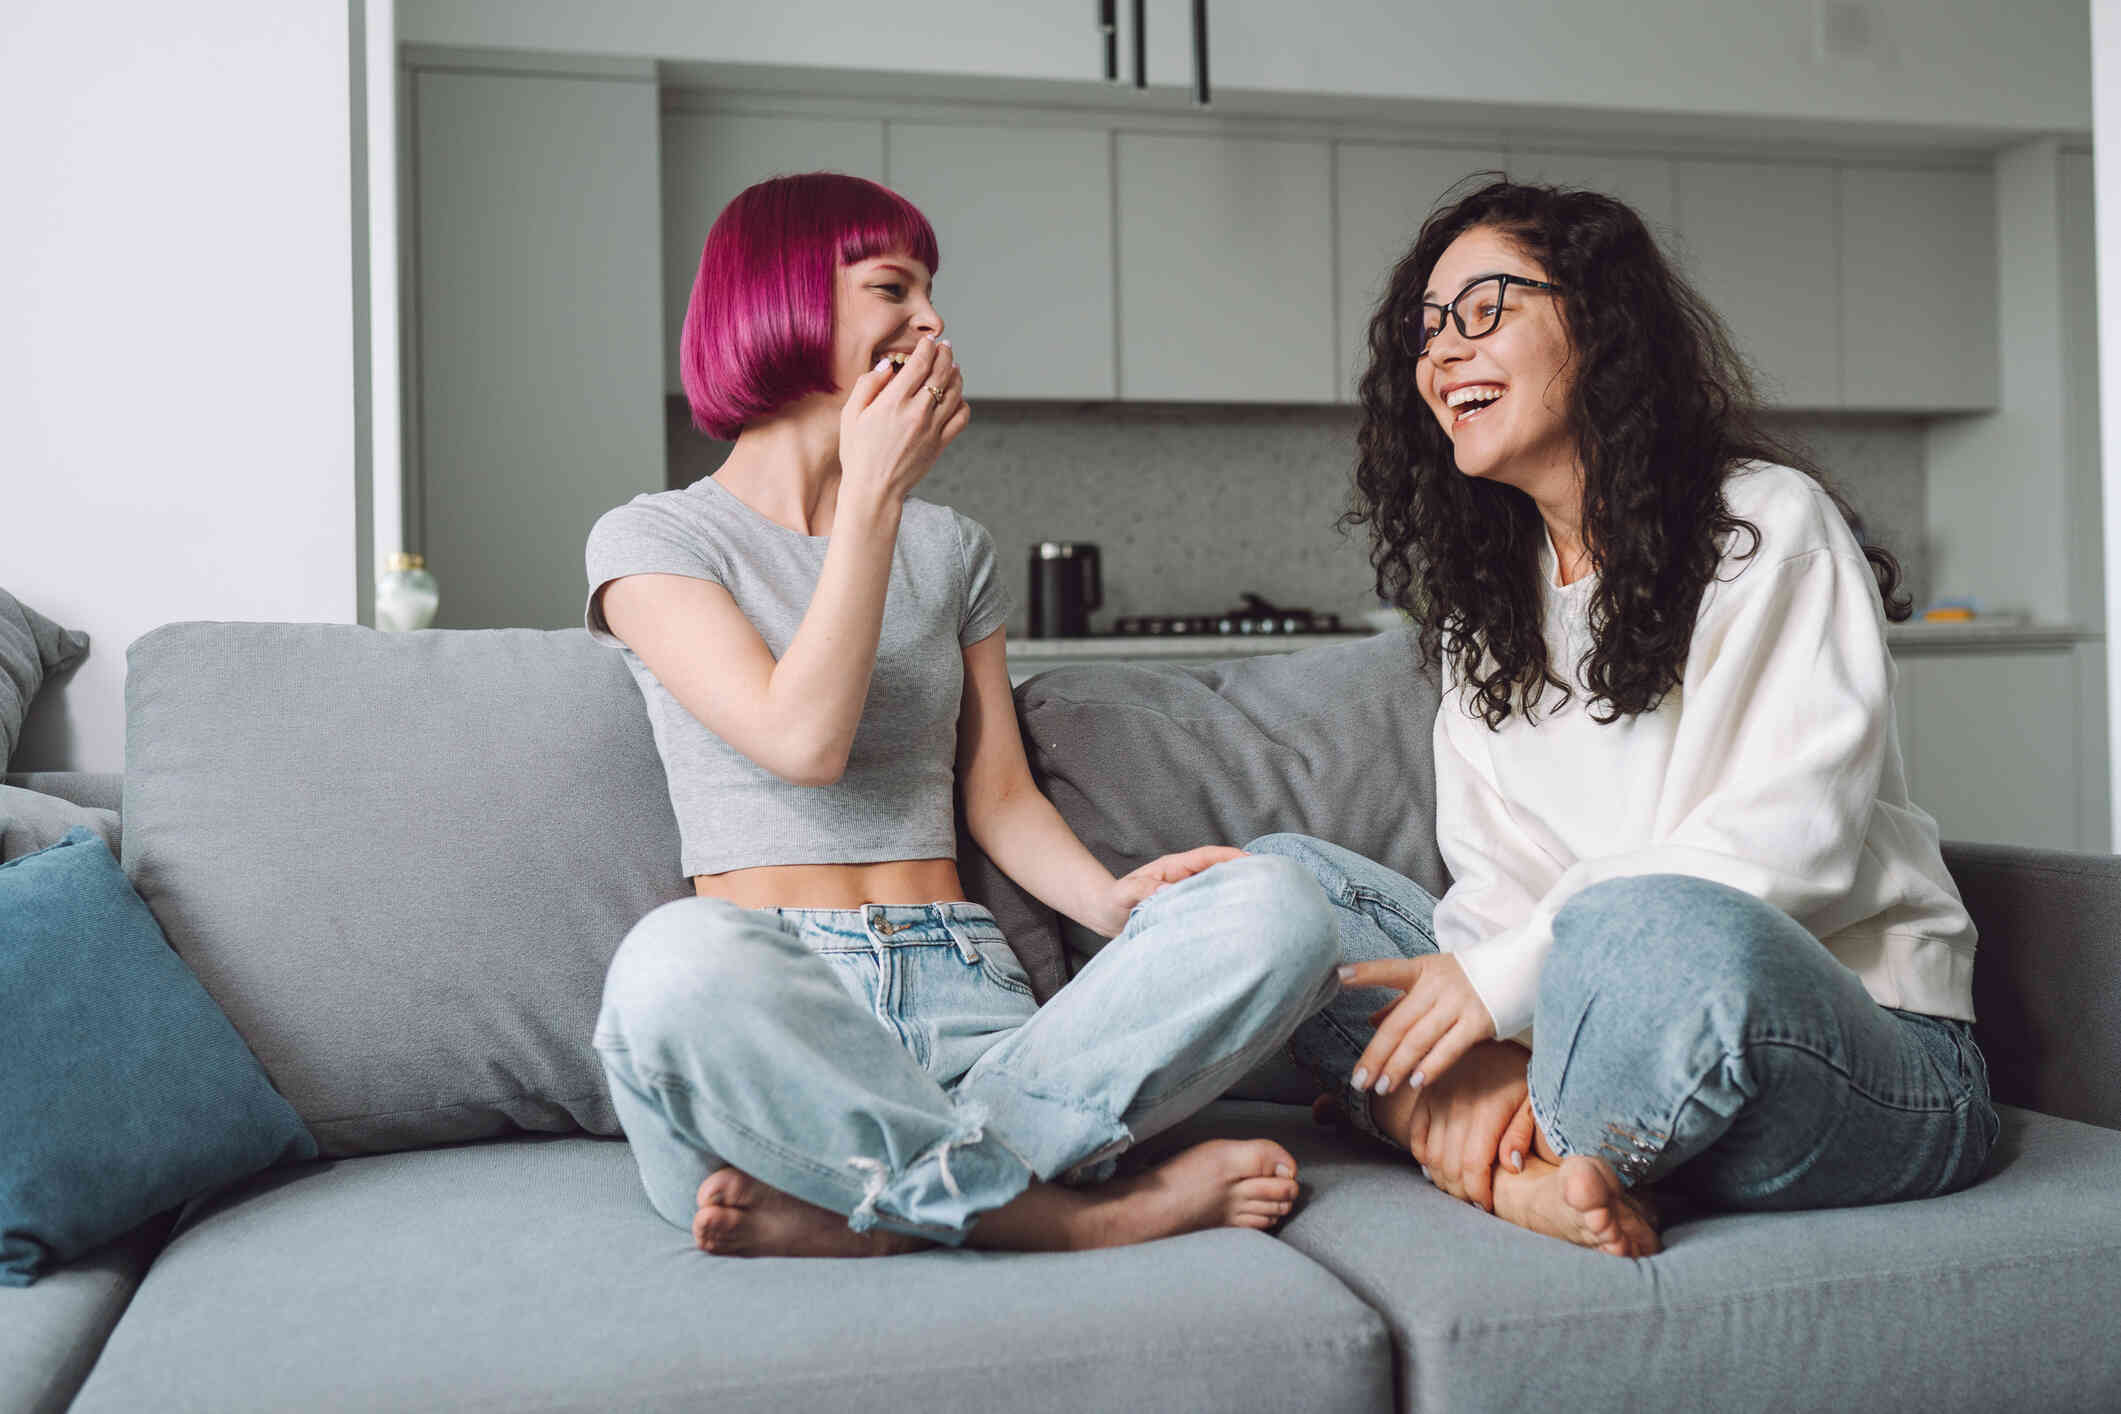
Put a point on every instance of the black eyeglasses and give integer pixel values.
(1476, 310)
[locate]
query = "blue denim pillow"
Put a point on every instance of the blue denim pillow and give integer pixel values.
(123, 1089)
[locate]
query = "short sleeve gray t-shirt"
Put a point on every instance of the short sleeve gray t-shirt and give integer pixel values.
(894, 801)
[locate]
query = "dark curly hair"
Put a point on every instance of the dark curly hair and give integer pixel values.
(1662, 409)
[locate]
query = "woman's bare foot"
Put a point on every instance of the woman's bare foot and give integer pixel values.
(739, 1216)
(1581, 1201)
(1247, 1183)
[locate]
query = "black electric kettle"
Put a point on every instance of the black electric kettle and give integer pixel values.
(1066, 587)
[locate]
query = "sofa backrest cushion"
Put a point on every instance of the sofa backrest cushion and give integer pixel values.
(2047, 976)
(1332, 741)
(399, 862)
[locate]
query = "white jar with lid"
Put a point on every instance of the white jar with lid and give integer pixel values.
(406, 595)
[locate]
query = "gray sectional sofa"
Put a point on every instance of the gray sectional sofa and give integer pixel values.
(400, 862)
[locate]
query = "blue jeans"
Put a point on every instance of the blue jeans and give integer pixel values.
(889, 1063)
(1692, 1035)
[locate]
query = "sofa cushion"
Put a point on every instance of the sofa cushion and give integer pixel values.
(1998, 1297)
(1332, 741)
(399, 861)
(30, 821)
(530, 1273)
(127, 1092)
(50, 1333)
(32, 648)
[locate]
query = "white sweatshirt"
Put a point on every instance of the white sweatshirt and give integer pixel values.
(1774, 768)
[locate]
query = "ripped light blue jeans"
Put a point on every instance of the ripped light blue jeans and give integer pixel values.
(1692, 1035)
(889, 1063)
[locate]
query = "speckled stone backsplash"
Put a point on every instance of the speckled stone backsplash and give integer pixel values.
(1194, 505)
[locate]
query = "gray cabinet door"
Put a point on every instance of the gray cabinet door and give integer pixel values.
(536, 325)
(1644, 183)
(709, 157)
(1760, 244)
(1225, 269)
(1991, 744)
(1382, 193)
(1918, 288)
(1024, 219)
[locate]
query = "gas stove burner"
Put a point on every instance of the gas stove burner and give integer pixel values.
(1254, 617)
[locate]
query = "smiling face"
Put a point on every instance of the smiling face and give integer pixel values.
(1502, 399)
(880, 306)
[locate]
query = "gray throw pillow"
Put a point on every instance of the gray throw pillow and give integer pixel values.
(399, 862)
(1332, 741)
(32, 648)
(30, 821)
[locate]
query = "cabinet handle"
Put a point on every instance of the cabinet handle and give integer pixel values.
(1108, 27)
(1200, 52)
(1141, 43)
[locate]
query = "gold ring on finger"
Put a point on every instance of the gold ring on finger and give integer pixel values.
(935, 393)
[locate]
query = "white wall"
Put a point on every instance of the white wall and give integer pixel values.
(176, 362)
(1971, 64)
(2106, 161)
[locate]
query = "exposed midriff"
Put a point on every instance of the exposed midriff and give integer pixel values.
(894, 881)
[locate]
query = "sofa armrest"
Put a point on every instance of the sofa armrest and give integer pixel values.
(2047, 977)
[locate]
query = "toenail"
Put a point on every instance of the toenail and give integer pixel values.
(1426, 1174)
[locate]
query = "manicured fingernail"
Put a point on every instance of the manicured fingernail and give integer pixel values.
(881, 365)
(1517, 1160)
(1384, 1084)
(1360, 1078)
(1283, 1170)
(944, 342)
(1425, 1173)
(1417, 1080)
(1347, 973)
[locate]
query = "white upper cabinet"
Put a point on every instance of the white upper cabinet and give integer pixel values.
(1383, 192)
(1047, 39)
(1225, 261)
(709, 157)
(1761, 246)
(1918, 288)
(1024, 219)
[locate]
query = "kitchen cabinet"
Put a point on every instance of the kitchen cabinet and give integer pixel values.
(1761, 244)
(1024, 219)
(1382, 193)
(1644, 183)
(1054, 39)
(708, 157)
(535, 318)
(1225, 269)
(1990, 740)
(1918, 288)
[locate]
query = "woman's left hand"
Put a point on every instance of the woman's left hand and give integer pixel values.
(1423, 1034)
(1130, 889)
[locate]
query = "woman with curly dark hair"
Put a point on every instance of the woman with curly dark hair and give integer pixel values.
(1697, 935)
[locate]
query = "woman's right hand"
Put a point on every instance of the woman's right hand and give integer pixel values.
(898, 420)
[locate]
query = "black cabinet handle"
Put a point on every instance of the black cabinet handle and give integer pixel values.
(1141, 43)
(1108, 28)
(1200, 52)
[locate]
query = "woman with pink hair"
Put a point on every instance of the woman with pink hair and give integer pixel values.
(828, 1050)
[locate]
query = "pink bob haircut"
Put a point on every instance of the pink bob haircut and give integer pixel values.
(758, 332)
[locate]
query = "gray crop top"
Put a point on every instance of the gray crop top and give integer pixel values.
(894, 802)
